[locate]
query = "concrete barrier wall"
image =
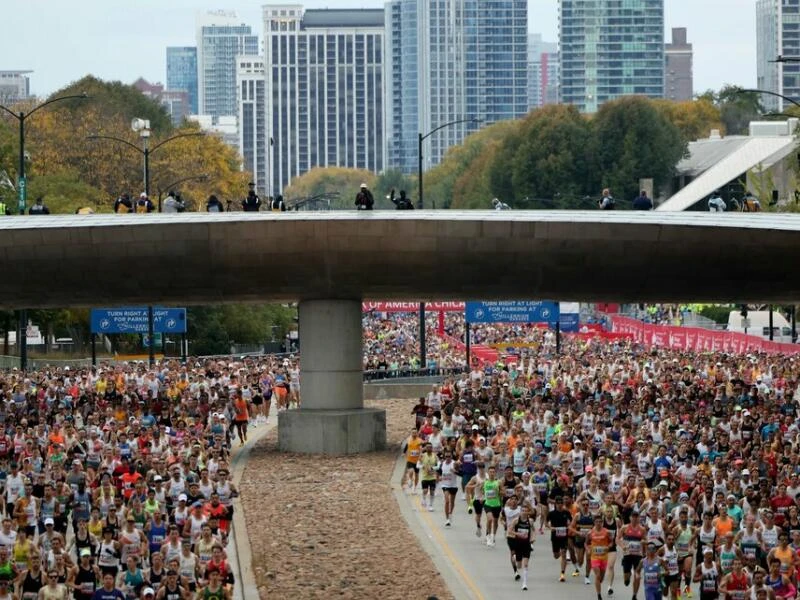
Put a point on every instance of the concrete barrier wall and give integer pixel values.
(384, 391)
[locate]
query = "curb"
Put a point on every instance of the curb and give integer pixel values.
(247, 587)
(447, 570)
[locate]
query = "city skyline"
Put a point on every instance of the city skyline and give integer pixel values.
(136, 34)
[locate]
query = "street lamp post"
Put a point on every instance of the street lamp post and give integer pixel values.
(423, 351)
(22, 192)
(144, 128)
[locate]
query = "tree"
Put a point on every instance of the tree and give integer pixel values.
(77, 171)
(694, 118)
(441, 180)
(635, 141)
(737, 107)
(333, 180)
(553, 155)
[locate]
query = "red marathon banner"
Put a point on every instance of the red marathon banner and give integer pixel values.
(392, 307)
(697, 339)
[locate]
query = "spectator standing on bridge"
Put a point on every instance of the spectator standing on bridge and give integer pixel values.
(364, 199)
(277, 204)
(123, 204)
(213, 205)
(39, 208)
(716, 203)
(750, 203)
(143, 204)
(4, 210)
(643, 202)
(252, 203)
(498, 205)
(173, 203)
(607, 202)
(402, 202)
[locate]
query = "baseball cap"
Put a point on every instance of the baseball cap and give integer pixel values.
(475, 428)
(708, 550)
(182, 498)
(148, 592)
(49, 521)
(86, 552)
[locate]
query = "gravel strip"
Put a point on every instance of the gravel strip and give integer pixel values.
(323, 527)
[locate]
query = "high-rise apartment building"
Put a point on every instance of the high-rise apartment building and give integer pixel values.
(449, 60)
(542, 72)
(220, 39)
(182, 73)
(253, 144)
(14, 86)
(678, 75)
(610, 48)
(325, 91)
(778, 34)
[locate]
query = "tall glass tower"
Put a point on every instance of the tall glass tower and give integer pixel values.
(182, 73)
(449, 60)
(610, 48)
(778, 34)
(220, 39)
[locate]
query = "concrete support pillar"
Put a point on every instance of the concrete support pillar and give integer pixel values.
(332, 419)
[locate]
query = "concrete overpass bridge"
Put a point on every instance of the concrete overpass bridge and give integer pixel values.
(330, 261)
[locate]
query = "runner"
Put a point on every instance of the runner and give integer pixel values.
(651, 570)
(734, 585)
(672, 567)
(707, 575)
(412, 448)
(559, 520)
(684, 534)
(631, 539)
(492, 504)
(511, 511)
(449, 483)
(429, 466)
(522, 527)
(598, 542)
(581, 524)
(474, 490)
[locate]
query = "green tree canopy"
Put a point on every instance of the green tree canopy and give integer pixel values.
(633, 141)
(332, 180)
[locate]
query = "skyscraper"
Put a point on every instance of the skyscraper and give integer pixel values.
(678, 77)
(220, 39)
(14, 86)
(542, 72)
(182, 73)
(450, 60)
(778, 34)
(610, 48)
(324, 90)
(250, 85)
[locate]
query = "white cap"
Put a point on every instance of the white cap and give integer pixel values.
(363, 185)
(183, 498)
(148, 590)
(49, 521)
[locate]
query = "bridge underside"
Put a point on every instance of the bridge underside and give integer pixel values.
(238, 257)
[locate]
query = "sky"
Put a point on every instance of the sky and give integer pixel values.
(125, 39)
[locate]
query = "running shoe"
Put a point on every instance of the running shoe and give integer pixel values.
(561, 578)
(687, 591)
(478, 533)
(469, 509)
(430, 507)
(576, 572)
(610, 592)
(447, 523)
(587, 581)
(524, 586)
(517, 576)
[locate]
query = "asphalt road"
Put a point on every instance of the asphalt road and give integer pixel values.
(473, 571)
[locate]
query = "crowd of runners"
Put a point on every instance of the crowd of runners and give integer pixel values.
(117, 480)
(682, 469)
